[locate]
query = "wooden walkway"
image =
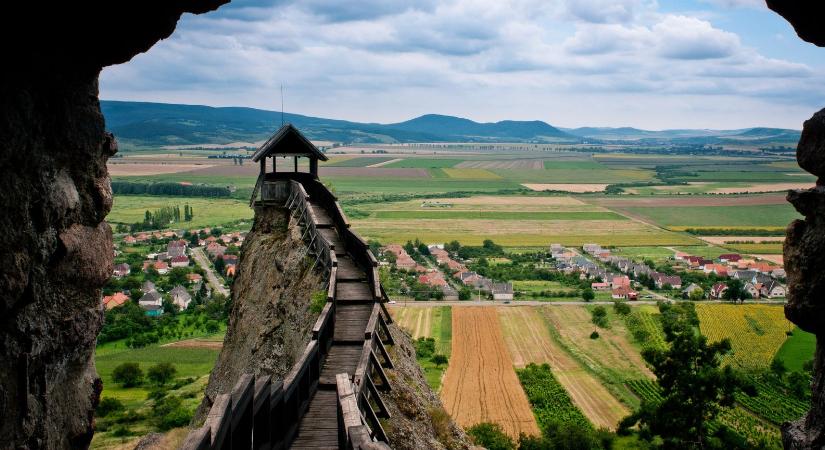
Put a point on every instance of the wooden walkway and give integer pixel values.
(331, 397)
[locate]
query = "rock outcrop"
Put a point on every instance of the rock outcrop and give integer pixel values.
(55, 193)
(804, 248)
(270, 325)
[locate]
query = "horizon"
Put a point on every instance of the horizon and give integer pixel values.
(459, 117)
(670, 64)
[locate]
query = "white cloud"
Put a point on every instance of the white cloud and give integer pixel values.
(484, 59)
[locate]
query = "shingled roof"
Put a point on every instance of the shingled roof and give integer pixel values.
(288, 141)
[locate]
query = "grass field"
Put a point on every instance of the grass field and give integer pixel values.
(496, 215)
(762, 248)
(718, 216)
(496, 396)
(756, 332)
(424, 163)
(797, 350)
(527, 335)
(429, 322)
(358, 161)
(208, 212)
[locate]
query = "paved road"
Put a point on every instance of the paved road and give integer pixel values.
(211, 277)
(412, 303)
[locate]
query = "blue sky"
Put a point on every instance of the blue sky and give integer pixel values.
(644, 63)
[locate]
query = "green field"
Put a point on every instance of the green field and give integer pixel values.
(496, 215)
(718, 216)
(208, 211)
(797, 350)
(423, 163)
(762, 248)
(363, 161)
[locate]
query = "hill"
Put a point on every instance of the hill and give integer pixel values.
(156, 124)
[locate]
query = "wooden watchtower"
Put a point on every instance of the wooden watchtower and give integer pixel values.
(286, 142)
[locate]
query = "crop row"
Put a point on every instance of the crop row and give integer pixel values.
(646, 329)
(772, 403)
(548, 399)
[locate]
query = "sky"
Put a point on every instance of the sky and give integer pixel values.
(718, 64)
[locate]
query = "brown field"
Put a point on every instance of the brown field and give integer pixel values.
(776, 199)
(480, 384)
(525, 333)
(534, 164)
(138, 169)
(251, 170)
(764, 187)
(417, 321)
(196, 343)
(776, 259)
(490, 200)
(718, 240)
(568, 187)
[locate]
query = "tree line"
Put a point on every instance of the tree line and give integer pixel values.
(176, 189)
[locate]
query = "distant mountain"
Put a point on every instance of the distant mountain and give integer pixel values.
(157, 124)
(752, 135)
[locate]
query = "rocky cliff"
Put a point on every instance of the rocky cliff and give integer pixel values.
(270, 325)
(54, 194)
(804, 248)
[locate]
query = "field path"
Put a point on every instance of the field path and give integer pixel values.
(480, 384)
(211, 277)
(384, 163)
(529, 341)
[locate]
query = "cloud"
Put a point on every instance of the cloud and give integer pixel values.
(385, 61)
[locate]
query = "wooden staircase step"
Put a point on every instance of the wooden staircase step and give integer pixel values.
(340, 359)
(357, 291)
(322, 218)
(349, 271)
(351, 322)
(334, 240)
(319, 427)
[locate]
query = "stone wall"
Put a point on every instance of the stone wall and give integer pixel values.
(54, 195)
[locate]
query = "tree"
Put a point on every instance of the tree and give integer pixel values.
(693, 385)
(734, 291)
(778, 368)
(128, 374)
(161, 373)
(438, 359)
(107, 406)
(799, 384)
(194, 240)
(452, 246)
(621, 308)
(220, 265)
(588, 294)
(490, 436)
(599, 318)
(697, 294)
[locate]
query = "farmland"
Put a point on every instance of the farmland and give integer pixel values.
(207, 212)
(756, 332)
(478, 348)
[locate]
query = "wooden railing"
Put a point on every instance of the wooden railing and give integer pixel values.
(260, 413)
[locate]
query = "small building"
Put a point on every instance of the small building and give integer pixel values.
(502, 291)
(600, 286)
(113, 301)
(194, 277)
(180, 261)
(151, 298)
(129, 240)
(176, 248)
(717, 291)
(772, 289)
(620, 281)
(751, 289)
(121, 270)
(153, 310)
(180, 297)
(730, 257)
(623, 293)
(147, 287)
(690, 289)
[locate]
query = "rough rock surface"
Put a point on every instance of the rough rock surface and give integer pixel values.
(270, 322)
(54, 194)
(270, 325)
(804, 248)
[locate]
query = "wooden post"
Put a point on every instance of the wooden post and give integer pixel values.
(274, 164)
(263, 167)
(261, 434)
(242, 412)
(296, 164)
(313, 166)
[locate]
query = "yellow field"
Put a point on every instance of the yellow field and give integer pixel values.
(417, 321)
(526, 335)
(480, 384)
(471, 174)
(756, 331)
(520, 232)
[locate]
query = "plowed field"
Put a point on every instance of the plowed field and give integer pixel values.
(480, 384)
(529, 341)
(417, 321)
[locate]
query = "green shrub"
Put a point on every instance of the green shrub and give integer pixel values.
(107, 406)
(490, 436)
(318, 301)
(121, 431)
(128, 374)
(594, 335)
(161, 373)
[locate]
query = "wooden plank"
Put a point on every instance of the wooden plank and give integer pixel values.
(198, 439)
(349, 271)
(242, 418)
(321, 322)
(218, 421)
(353, 291)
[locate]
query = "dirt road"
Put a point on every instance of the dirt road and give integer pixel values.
(213, 279)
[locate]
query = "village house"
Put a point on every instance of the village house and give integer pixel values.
(744, 275)
(751, 289)
(121, 270)
(215, 250)
(502, 291)
(180, 297)
(194, 277)
(772, 289)
(717, 291)
(176, 248)
(690, 289)
(620, 281)
(230, 259)
(113, 301)
(778, 273)
(153, 310)
(624, 293)
(152, 303)
(230, 270)
(180, 261)
(450, 294)
(600, 286)
(129, 240)
(404, 262)
(730, 257)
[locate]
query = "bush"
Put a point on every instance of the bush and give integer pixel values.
(594, 335)
(212, 326)
(318, 301)
(621, 308)
(107, 406)
(424, 347)
(121, 431)
(490, 436)
(438, 359)
(161, 373)
(128, 374)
